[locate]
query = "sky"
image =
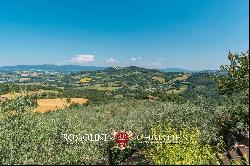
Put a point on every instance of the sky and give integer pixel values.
(189, 34)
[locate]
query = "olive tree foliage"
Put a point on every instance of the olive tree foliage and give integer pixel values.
(234, 112)
(237, 74)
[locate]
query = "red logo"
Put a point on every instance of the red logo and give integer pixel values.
(122, 137)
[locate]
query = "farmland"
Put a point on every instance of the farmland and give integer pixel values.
(15, 94)
(39, 112)
(45, 105)
(100, 87)
(180, 90)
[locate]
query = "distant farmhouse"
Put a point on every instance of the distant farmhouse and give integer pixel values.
(85, 81)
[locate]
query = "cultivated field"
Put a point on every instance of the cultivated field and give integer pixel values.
(45, 105)
(99, 87)
(179, 78)
(15, 95)
(162, 80)
(176, 91)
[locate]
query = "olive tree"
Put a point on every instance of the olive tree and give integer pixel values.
(236, 78)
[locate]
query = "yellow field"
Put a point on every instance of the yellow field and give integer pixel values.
(162, 80)
(85, 80)
(45, 105)
(11, 96)
(181, 78)
(14, 95)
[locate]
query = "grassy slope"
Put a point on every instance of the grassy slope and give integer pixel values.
(175, 91)
(98, 87)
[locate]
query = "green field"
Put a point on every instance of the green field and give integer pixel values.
(99, 87)
(177, 91)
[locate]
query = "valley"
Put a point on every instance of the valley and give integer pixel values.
(39, 107)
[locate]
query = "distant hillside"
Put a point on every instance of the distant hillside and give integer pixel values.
(211, 71)
(78, 68)
(174, 70)
(129, 69)
(188, 71)
(63, 68)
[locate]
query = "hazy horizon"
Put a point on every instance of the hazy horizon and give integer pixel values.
(106, 66)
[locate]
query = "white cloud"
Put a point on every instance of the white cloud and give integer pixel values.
(132, 59)
(82, 58)
(111, 60)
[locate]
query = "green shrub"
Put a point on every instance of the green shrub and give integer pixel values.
(34, 138)
(189, 149)
(18, 105)
(236, 78)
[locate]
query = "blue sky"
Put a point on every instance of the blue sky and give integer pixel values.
(191, 34)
